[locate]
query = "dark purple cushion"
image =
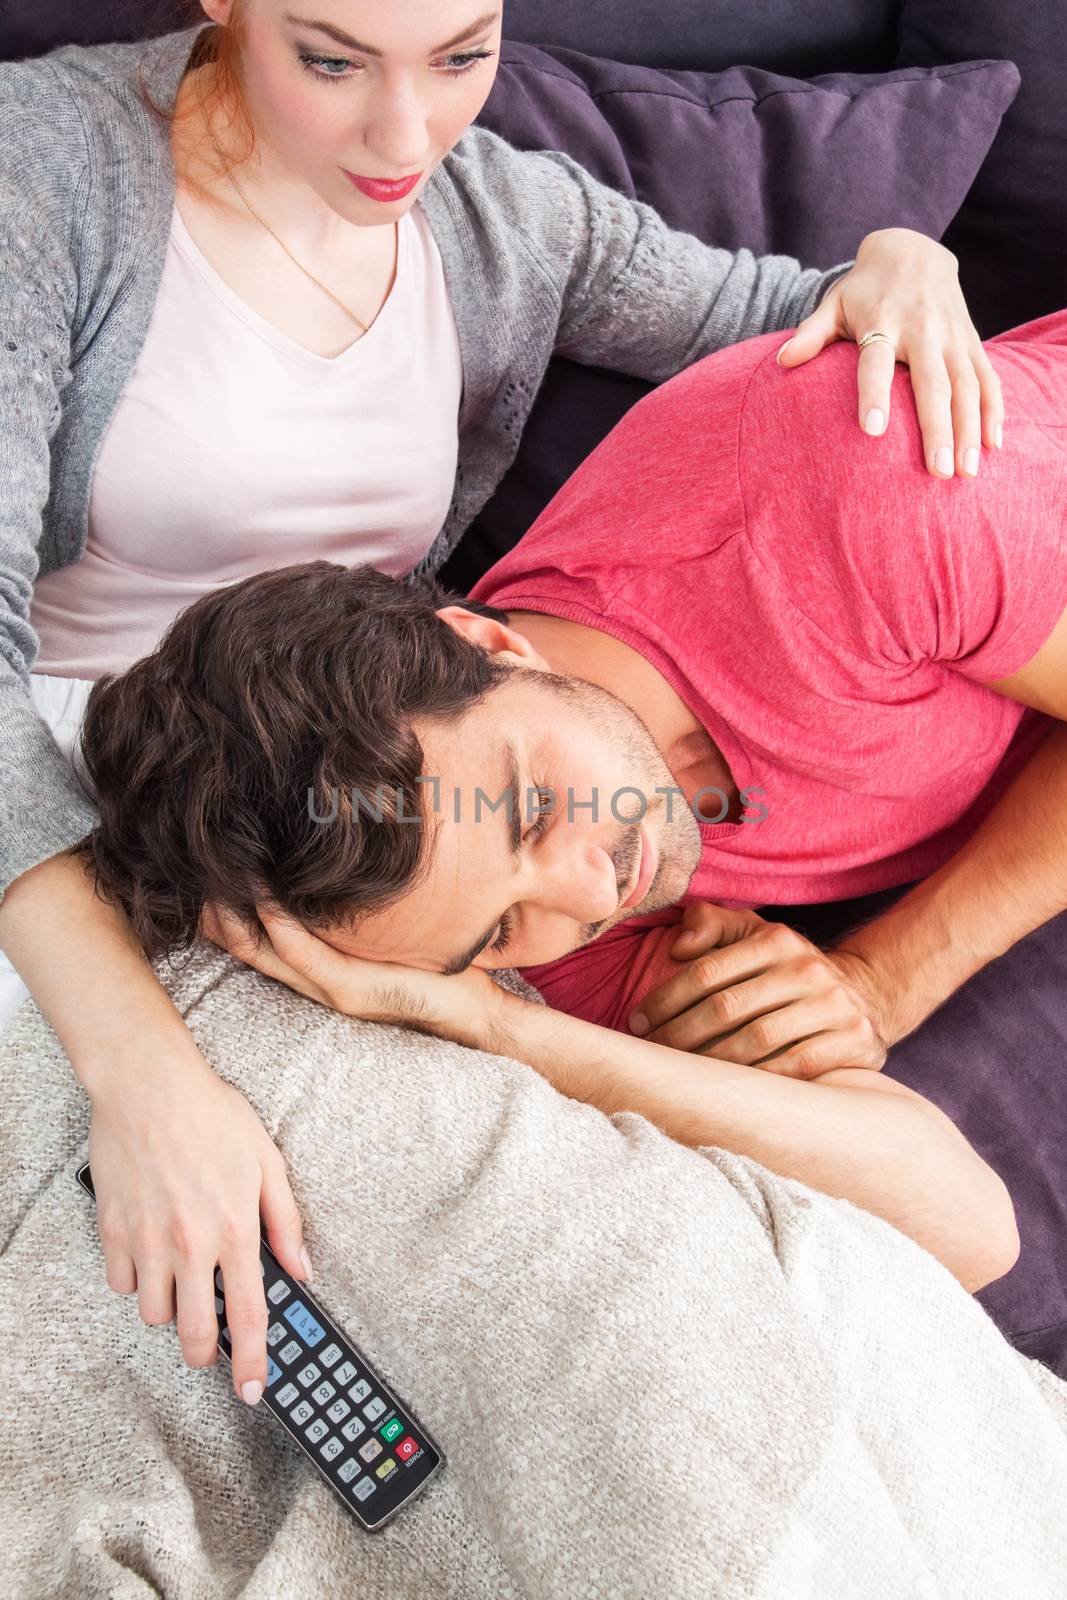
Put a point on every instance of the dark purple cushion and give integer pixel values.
(742, 157)
(1011, 234)
(994, 1058)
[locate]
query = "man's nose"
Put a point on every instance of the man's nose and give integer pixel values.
(580, 883)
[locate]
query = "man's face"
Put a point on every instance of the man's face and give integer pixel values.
(574, 868)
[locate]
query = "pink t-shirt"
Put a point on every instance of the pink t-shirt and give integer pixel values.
(828, 611)
(234, 449)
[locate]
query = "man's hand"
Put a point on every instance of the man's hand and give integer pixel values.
(466, 1007)
(758, 994)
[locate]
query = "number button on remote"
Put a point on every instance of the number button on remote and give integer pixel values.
(317, 1431)
(331, 1448)
(339, 1411)
(302, 1412)
(374, 1409)
(359, 1391)
(323, 1394)
(308, 1375)
(344, 1374)
(353, 1429)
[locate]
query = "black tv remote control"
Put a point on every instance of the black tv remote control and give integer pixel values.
(368, 1447)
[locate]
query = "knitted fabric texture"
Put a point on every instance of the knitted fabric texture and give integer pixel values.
(654, 1371)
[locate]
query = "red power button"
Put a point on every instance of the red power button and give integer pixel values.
(407, 1448)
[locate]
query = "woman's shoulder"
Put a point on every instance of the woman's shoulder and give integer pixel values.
(80, 100)
(544, 194)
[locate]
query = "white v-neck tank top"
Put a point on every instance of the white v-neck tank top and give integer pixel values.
(233, 449)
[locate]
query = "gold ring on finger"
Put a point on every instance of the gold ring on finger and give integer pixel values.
(870, 338)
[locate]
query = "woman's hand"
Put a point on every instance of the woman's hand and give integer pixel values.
(183, 1169)
(758, 994)
(465, 1007)
(906, 286)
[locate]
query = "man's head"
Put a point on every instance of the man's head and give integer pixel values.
(398, 769)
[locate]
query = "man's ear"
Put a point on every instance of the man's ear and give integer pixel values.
(496, 637)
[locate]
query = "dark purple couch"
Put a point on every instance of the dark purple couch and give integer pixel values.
(995, 1056)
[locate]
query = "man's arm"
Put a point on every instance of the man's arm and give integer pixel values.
(1008, 879)
(850, 1133)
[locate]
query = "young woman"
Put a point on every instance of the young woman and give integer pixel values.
(266, 296)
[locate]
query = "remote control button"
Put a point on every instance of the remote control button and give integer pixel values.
(353, 1429)
(407, 1448)
(300, 1319)
(331, 1354)
(302, 1412)
(331, 1448)
(385, 1469)
(389, 1430)
(369, 1450)
(218, 1280)
(374, 1409)
(220, 1305)
(287, 1394)
(323, 1394)
(317, 1431)
(345, 1373)
(308, 1375)
(347, 1470)
(276, 1333)
(277, 1292)
(359, 1391)
(290, 1351)
(363, 1488)
(339, 1411)
(274, 1372)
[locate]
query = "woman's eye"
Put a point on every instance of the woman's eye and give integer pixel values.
(316, 65)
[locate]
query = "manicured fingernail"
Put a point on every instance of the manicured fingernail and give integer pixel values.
(784, 347)
(943, 462)
(998, 436)
(970, 462)
(305, 1262)
(638, 1022)
(874, 422)
(252, 1393)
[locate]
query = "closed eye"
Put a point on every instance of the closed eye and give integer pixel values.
(540, 826)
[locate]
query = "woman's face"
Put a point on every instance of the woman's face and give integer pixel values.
(346, 90)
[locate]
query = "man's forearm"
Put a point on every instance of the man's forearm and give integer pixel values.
(849, 1133)
(1008, 879)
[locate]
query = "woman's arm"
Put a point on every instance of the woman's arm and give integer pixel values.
(181, 1164)
(644, 298)
(848, 1133)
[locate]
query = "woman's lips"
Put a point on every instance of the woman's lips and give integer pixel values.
(646, 871)
(380, 189)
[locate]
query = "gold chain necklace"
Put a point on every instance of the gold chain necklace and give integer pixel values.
(248, 206)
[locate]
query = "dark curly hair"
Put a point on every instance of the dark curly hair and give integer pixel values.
(215, 759)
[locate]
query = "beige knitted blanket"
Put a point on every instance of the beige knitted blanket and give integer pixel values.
(655, 1372)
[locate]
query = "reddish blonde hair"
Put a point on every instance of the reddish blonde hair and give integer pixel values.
(220, 47)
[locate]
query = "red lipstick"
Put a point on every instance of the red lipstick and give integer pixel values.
(382, 189)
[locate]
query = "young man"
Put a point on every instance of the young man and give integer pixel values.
(730, 672)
